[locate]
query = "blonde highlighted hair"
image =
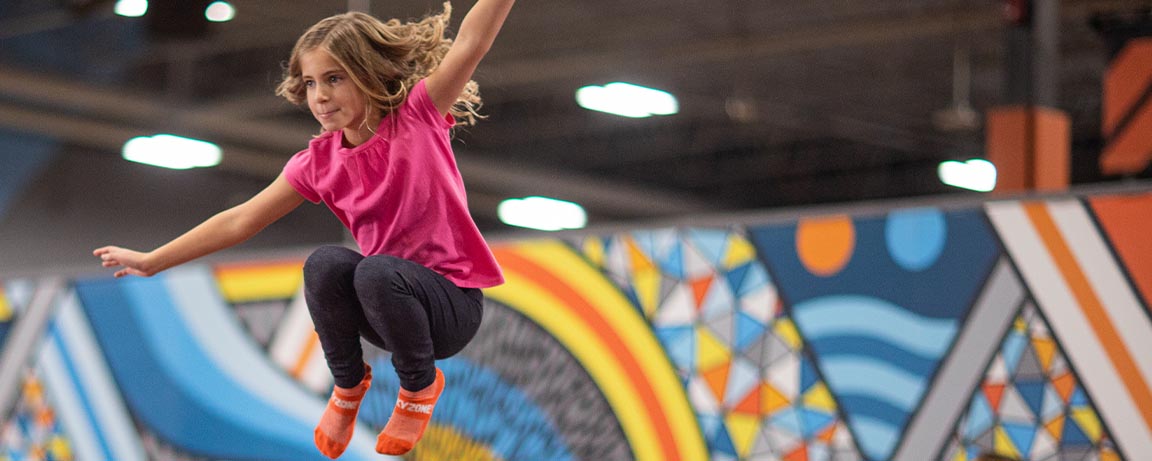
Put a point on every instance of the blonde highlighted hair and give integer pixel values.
(383, 59)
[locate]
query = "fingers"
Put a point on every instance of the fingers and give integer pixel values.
(129, 271)
(108, 260)
(116, 257)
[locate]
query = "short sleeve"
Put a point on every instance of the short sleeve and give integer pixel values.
(298, 171)
(420, 105)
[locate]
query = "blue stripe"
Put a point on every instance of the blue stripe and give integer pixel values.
(864, 405)
(835, 316)
(173, 388)
(869, 376)
(525, 433)
(875, 437)
(855, 346)
(78, 386)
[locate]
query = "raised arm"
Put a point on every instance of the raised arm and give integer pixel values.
(477, 32)
(221, 231)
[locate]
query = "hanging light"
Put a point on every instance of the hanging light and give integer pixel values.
(975, 174)
(627, 100)
(220, 12)
(170, 151)
(131, 8)
(542, 213)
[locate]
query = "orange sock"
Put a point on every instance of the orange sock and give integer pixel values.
(409, 418)
(335, 429)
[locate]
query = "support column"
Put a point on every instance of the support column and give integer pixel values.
(1029, 138)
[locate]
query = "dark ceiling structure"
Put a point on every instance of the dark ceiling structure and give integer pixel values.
(782, 103)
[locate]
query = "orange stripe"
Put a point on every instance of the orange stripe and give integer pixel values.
(1093, 310)
(513, 261)
(1128, 151)
(305, 355)
(1125, 81)
(1126, 220)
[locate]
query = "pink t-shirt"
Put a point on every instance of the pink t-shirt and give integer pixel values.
(400, 193)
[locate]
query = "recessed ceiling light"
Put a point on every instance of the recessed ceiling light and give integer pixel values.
(169, 151)
(220, 12)
(542, 213)
(627, 100)
(975, 174)
(131, 8)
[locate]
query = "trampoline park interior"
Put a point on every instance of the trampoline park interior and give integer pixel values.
(797, 262)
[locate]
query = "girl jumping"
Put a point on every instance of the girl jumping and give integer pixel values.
(386, 95)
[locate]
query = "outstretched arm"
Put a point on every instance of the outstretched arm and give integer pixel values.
(477, 32)
(221, 231)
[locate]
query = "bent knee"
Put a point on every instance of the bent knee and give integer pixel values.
(379, 267)
(330, 260)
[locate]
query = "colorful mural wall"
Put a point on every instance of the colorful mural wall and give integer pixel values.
(1015, 327)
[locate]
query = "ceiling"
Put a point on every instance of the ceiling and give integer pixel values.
(782, 103)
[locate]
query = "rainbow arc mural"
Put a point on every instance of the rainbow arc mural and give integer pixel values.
(1013, 327)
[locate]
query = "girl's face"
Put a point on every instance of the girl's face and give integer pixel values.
(335, 101)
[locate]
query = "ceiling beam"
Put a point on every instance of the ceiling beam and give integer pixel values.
(104, 119)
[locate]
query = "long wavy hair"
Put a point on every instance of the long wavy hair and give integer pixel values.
(383, 59)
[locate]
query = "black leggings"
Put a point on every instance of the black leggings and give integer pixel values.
(395, 304)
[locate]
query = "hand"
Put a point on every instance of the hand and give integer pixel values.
(132, 261)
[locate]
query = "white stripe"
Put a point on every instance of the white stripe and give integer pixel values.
(59, 386)
(19, 293)
(1127, 316)
(292, 333)
(1083, 349)
(219, 333)
(292, 336)
(316, 375)
(107, 403)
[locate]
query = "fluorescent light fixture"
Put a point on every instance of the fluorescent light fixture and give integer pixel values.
(975, 174)
(542, 213)
(169, 151)
(131, 8)
(627, 100)
(220, 12)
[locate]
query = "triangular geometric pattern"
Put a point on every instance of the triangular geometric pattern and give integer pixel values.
(259, 294)
(718, 317)
(261, 318)
(1031, 405)
(34, 432)
(878, 301)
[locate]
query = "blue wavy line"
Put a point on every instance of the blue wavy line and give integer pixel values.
(855, 346)
(875, 437)
(864, 405)
(872, 377)
(834, 316)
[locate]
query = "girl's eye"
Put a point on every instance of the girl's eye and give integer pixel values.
(309, 84)
(333, 79)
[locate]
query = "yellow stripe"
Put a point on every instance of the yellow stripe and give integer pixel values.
(636, 333)
(5, 309)
(247, 283)
(552, 315)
